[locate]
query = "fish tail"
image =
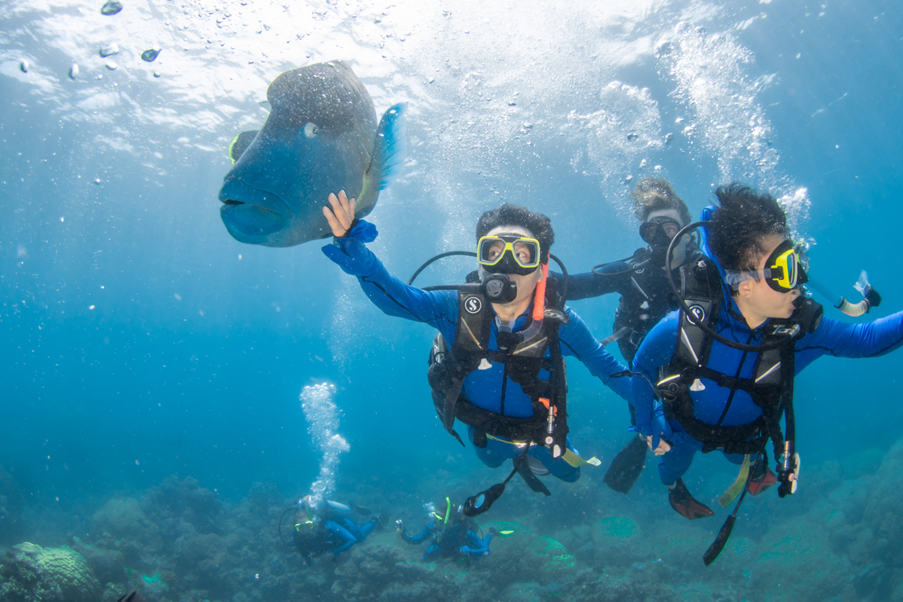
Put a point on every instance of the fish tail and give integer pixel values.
(389, 151)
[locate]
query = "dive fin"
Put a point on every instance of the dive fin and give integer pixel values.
(685, 504)
(361, 510)
(132, 596)
(625, 469)
(526, 473)
(240, 143)
(389, 150)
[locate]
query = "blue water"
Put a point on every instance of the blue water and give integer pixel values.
(139, 340)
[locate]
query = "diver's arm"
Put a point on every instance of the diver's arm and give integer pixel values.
(656, 351)
(843, 339)
(589, 284)
(577, 340)
(387, 292)
(419, 538)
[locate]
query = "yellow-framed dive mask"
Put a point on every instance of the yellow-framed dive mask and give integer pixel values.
(784, 268)
(508, 253)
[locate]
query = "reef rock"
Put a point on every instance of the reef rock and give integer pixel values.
(615, 539)
(523, 556)
(882, 512)
(124, 519)
(797, 564)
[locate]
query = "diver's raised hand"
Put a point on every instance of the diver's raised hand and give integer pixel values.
(340, 214)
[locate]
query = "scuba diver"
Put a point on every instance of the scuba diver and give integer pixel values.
(323, 526)
(646, 296)
(723, 366)
(498, 366)
(452, 534)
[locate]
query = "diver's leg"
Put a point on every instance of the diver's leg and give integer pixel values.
(431, 553)
(558, 468)
(347, 538)
(495, 451)
(367, 528)
(672, 467)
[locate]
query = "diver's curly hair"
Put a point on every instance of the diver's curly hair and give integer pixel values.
(738, 226)
(655, 194)
(515, 215)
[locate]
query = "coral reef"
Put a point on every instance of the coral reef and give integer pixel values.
(36, 574)
(838, 539)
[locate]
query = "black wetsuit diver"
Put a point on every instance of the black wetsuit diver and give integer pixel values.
(646, 298)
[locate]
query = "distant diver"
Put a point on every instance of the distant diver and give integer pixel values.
(324, 526)
(498, 364)
(451, 533)
(724, 364)
(321, 135)
(646, 296)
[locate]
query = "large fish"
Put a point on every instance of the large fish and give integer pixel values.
(321, 136)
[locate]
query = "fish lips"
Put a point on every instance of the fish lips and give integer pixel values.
(250, 222)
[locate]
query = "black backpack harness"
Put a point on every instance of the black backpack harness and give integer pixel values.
(523, 361)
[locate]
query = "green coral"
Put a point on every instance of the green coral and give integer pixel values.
(38, 574)
(616, 527)
(555, 559)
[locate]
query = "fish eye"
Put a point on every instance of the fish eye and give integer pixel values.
(310, 129)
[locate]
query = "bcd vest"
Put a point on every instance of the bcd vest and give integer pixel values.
(523, 362)
(770, 387)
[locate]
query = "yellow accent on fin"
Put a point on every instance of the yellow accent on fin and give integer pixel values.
(734, 490)
(505, 532)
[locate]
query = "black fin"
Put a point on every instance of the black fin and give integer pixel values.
(132, 596)
(530, 479)
(361, 510)
(625, 469)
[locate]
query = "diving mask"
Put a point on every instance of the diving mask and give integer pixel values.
(659, 231)
(508, 253)
(783, 270)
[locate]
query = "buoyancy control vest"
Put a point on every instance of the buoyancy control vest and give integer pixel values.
(770, 387)
(645, 302)
(523, 360)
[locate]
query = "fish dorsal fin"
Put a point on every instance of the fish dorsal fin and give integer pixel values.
(389, 150)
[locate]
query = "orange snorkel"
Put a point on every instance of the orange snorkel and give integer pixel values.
(539, 299)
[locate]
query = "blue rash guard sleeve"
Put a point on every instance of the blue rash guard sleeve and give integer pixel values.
(439, 309)
(656, 351)
(578, 341)
(842, 339)
(420, 537)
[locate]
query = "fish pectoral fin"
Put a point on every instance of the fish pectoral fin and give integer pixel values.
(240, 143)
(389, 150)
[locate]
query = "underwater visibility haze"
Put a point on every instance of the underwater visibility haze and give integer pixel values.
(169, 392)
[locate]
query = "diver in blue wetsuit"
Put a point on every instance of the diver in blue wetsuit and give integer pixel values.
(724, 365)
(450, 532)
(498, 365)
(326, 526)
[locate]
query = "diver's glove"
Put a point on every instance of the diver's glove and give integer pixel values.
(349, 252)
(661, 429)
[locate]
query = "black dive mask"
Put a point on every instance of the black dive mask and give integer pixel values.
(655, 233)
